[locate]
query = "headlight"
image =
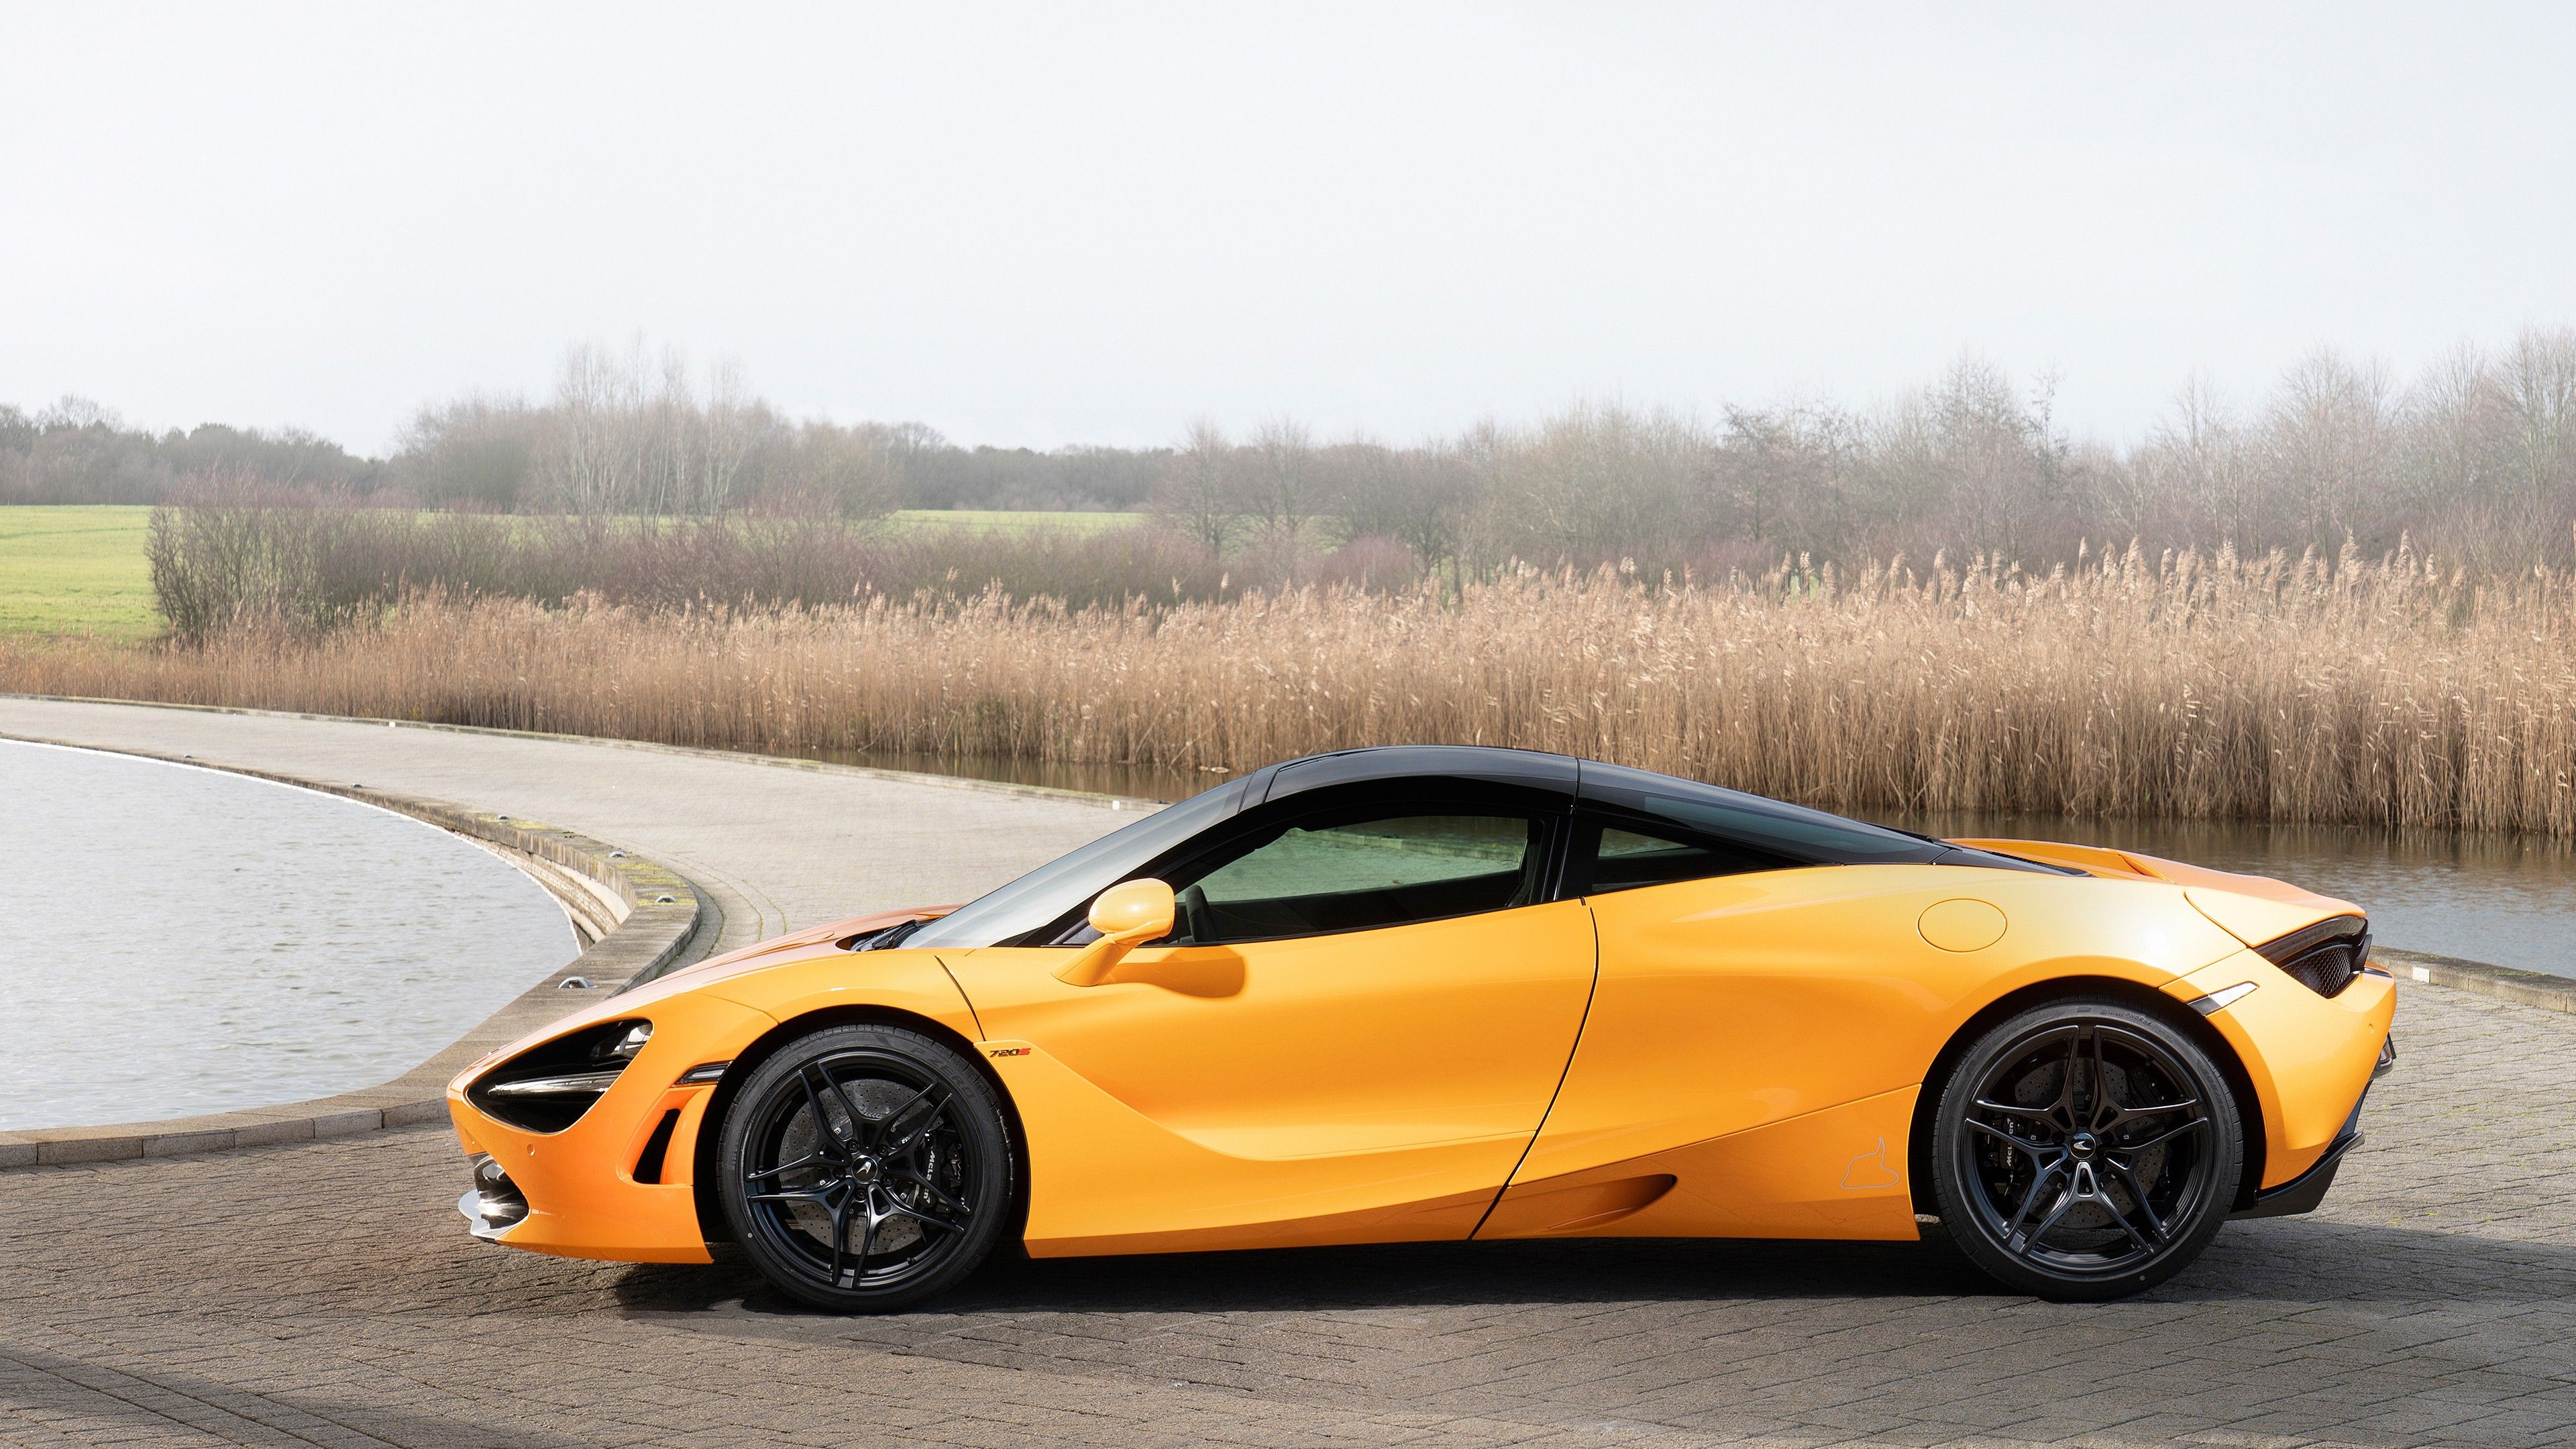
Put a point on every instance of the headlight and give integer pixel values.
(547, 1088)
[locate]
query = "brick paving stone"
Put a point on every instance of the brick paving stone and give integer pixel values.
(324, 1293)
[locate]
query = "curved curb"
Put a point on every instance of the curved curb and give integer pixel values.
(2504, 983)
(635, 914)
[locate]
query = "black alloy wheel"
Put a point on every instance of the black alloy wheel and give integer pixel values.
(2085, 1149)
(866, 1168)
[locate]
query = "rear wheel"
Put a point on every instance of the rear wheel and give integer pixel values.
(866, 1168)
(2085, 1149)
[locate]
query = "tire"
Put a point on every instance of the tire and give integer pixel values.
(2066, 1191)
(866, 1168)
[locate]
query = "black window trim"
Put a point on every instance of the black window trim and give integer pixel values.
(1584, 845)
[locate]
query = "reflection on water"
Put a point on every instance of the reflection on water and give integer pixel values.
(182, 940)
(2482, 897)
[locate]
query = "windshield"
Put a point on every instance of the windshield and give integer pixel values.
(1071, 880)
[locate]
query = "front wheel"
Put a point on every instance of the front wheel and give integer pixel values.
(2085, 1149)
(866, 1168)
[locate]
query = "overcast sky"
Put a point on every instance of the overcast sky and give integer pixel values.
(1071, 224)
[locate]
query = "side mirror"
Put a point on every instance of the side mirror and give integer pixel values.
(1126, 916)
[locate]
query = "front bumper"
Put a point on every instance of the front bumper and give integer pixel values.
(618, 1182)
(580, 1198)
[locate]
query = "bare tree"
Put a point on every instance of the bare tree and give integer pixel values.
(1280, 483)
(476, 450)
(1437, 492)
(1599, 482)
(2195, 478)
(2538, 381)
(2327, 446)
(1198, 492)
(730, 428)
(1785, 476)
(590, 460)
(821, 467)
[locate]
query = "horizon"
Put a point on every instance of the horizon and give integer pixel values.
(2035, 393)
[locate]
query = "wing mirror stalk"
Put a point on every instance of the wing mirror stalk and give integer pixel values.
(1126, 916)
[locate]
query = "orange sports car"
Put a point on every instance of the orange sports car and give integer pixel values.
(1425, 993)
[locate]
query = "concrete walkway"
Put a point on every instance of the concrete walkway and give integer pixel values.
(777, 845)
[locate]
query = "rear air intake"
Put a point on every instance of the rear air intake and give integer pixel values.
(2324, 957)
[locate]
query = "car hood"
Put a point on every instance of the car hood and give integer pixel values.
(812, 941)
(819, 940)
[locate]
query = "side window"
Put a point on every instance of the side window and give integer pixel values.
(1352, 875)
(1626, 856)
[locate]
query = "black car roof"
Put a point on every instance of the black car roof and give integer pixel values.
(1792, 832)
(1528, 769)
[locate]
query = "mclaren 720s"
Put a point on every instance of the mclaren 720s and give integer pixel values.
(1436, 993)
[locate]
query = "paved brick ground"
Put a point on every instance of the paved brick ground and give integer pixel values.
(327, 1294)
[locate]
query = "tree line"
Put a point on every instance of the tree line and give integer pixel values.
(621, 433)
(2475, 459)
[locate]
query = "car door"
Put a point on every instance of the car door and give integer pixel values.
(1352, 1036)
(1746, 1065)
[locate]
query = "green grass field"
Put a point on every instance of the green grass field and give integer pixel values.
(1000, 522)
(76, 571)
(79, 570)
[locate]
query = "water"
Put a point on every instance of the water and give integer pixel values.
(2482, 897)
(182, 941)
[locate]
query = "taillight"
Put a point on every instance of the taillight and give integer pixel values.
(2324, 957)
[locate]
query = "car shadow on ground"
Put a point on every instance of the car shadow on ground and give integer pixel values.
(2307, 1261)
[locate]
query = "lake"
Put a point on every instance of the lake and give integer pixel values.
(184, 940)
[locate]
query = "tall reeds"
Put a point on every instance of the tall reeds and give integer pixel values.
(2333, 690)
(234, 552)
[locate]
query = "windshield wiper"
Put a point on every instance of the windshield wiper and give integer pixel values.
(890, 936)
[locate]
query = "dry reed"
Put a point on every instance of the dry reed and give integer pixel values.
(2318, 690)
